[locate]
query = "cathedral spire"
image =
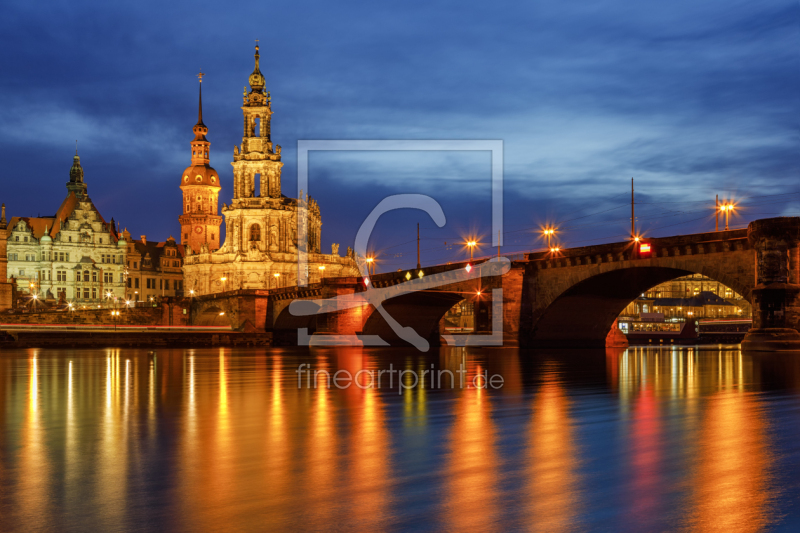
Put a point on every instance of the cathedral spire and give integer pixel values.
(257, 81)
(200, 104)
(200, 152)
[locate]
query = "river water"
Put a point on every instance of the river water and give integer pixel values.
(644, 439)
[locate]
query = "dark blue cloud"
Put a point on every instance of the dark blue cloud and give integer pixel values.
(691, 98)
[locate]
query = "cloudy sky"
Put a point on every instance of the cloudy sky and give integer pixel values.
(690, 98)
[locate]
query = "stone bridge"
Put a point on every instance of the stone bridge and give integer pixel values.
(565, 299)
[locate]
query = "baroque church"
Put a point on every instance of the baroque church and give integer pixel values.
(261, 224)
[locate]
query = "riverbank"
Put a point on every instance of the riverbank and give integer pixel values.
(108, 337)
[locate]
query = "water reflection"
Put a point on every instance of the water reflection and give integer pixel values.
(472, 464)
(554, 457)
(638, 439)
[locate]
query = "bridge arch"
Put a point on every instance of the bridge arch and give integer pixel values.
(579, 310)
(421, 311)
(213, 316)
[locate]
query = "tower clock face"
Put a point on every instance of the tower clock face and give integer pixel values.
(198, 229)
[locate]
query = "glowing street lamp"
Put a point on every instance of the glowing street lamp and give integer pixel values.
(371, 266)
(277, 279)
(727, 209)
(549, 232)
(321, 271)
(471, 244)
(115, 314)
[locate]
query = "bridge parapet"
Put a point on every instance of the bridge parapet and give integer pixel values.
(681, 245)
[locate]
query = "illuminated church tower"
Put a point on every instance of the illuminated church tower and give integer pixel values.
(258, 164)
(200, 220)
(262, 242)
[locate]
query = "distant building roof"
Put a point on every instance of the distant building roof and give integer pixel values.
(698, 300)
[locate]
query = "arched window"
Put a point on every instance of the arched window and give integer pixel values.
(255, 233)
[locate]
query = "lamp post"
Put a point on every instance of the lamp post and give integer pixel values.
(727, 209)
(471, 245)
(549, 232)
(115, 314)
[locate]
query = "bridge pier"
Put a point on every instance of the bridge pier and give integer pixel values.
(776, 296)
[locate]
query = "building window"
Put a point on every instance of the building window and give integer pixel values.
(161, 283)
(94, 276)
(94, 293)
(16, 238)
(85, 275)
(121, 277)
(134, 265)
(70, 238)
(101, 240)
(147, 280)
(212, 236)
(136, 283)
(255, 233)
(129, 283)
(26, 239)
(166, 284)
(85, 294)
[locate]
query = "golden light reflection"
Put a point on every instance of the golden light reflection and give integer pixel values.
(113, 462)
(471, 499)
(278, 446)
(322, 464)
(731, 489)
(553, 492)
(34, 463)
(370, 469)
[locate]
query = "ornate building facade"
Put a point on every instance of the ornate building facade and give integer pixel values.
(154, 269)
(73, 255)
(261, 224)
(7, 288)
(200, 186)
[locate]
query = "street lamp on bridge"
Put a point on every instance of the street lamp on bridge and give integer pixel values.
(471, 244)
(727, 209)
(549, 232)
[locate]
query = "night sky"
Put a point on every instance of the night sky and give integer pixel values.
(690, 98)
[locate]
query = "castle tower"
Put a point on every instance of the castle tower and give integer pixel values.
(75, 183)
(200, 185)
(257, 162)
